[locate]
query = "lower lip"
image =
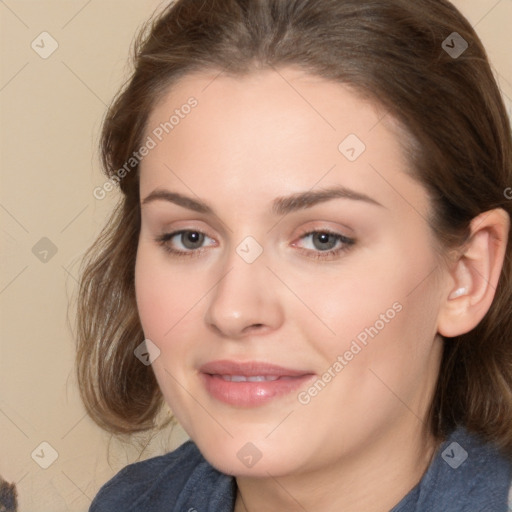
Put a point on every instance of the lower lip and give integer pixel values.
(251, 394)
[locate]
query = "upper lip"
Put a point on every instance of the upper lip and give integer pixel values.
(250, 369)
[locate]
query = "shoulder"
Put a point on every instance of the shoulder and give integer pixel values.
(161, 483)
(480, 454)
(471, 472)
(467, 473)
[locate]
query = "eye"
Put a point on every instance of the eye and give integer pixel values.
(186, 242)
(324, 244)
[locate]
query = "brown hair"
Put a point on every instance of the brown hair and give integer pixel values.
(392, 52)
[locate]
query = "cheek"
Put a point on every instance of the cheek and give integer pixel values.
(385, 310)
(378, 367)
(165, 296)
(166, 301)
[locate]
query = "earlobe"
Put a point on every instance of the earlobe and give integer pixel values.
(474, 275)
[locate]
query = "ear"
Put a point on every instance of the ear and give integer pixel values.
(473, 275)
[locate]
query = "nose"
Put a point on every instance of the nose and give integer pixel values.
(245, 301)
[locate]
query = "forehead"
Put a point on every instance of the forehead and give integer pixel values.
(271, 130)
(270, 95)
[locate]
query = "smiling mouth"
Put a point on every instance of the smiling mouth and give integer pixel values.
(250, 384)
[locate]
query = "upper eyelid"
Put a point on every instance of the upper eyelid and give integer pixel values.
(304, 233)
(171, 234)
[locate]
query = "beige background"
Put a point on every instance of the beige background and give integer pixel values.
(51, 114)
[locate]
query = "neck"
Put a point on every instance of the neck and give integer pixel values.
(374, 481)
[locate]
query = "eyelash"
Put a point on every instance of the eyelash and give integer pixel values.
(317, 255)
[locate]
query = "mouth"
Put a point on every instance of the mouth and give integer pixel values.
(250, 384)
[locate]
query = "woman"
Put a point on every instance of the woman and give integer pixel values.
(310, 264)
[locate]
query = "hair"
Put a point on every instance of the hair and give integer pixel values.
(8, 497)
(390, 51)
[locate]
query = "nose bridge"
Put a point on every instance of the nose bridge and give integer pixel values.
(244, 298)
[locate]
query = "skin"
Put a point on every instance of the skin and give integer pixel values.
(249, 141)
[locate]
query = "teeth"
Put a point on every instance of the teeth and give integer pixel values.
(255, 378)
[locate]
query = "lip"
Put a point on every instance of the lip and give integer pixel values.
(216, 374)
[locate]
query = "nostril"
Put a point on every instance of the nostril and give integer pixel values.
(254, 327)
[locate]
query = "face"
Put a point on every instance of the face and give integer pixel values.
(286, 272)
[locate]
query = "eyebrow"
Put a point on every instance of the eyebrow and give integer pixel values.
(280, 205)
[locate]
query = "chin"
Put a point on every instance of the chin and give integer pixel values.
(242, 458)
